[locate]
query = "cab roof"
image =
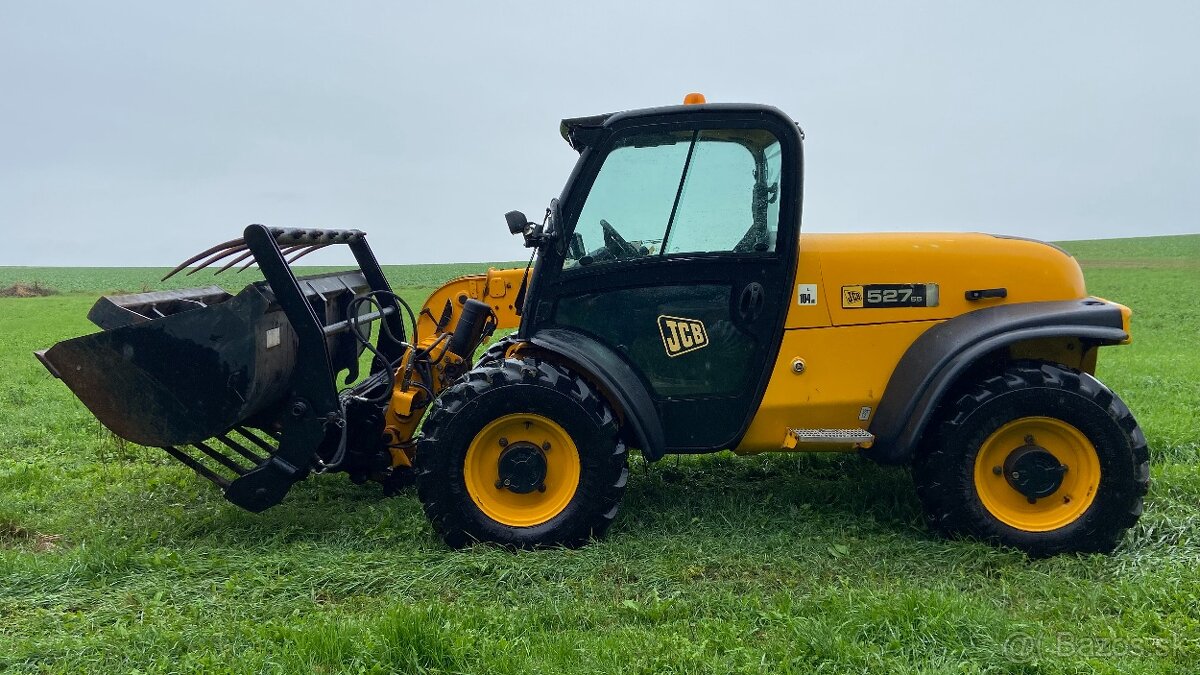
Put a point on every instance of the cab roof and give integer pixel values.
(575, 130)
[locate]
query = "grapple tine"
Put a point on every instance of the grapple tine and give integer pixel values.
(214, 258)
(305, 252)
(285, 250)
(253, 438)
(220, 458)
(233, 262)
(241, 449)
(199, 468)
(205, 253)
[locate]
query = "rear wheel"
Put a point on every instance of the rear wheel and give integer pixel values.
(1042, 458)
(523, 454)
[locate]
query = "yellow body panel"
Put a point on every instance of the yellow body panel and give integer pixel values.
(846, 368)
(809, 272)
(1030, 271)
(849, 354)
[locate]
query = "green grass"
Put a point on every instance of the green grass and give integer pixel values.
(1169, 251)
(95, 280)
(114, 558)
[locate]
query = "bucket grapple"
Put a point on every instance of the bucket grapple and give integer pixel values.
(241, 388)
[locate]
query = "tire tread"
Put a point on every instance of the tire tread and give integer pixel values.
(448, 505)
(950, 511)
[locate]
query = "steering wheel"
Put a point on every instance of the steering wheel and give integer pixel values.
(615, 244)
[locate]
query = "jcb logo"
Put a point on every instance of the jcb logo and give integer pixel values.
(681, 336)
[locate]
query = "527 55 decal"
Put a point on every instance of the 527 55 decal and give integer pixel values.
(869, 296)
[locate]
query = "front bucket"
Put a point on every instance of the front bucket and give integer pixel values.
(247, 382)
(179, 367)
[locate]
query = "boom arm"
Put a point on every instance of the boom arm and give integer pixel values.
(415, 385)
(498, 288)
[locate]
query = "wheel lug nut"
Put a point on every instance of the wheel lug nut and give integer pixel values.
(997, 470)
(1032, 500)
(503, 442)
(1029, 440)
(546, 445)
(499, 485)
(542, 487)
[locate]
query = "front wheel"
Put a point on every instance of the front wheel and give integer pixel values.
(1042, 458)
(523, 454)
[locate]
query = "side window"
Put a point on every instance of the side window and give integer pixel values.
(628, 207)
(770, 193)
(714, 200)
(680, 192)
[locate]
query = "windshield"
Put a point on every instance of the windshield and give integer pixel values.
(681, 192)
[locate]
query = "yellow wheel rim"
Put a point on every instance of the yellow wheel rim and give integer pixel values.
(533, 434)
(1068, 445)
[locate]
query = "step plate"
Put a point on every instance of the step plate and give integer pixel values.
(853, 438)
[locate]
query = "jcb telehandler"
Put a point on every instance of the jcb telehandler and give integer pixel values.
(674, 307)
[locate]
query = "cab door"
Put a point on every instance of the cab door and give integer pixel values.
(678, 253)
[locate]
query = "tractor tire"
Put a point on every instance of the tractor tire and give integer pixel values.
(521, 453)
(496, 352)
(1041, 457)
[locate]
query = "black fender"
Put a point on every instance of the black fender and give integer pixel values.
(936, 359)
(620, 384)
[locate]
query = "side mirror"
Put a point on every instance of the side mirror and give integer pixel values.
(532, 232)
(517, 222)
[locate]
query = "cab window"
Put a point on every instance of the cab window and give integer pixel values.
(681, 192)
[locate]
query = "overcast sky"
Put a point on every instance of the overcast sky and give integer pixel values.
(139, 133)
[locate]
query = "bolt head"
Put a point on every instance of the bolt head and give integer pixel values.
(545, 445)
(503, 442)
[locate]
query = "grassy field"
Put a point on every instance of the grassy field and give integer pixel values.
(115, 559)
(93, 280)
